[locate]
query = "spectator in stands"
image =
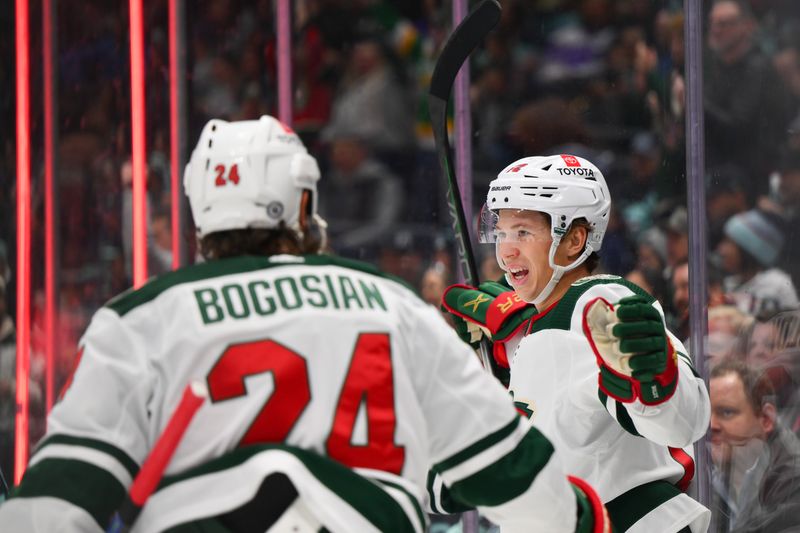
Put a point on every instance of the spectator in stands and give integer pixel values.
(746, 106)
(756, 460)
(785, 201)
(728, 319)
(159, 244)
(728, 192)
(549, 125)
(678, 316)
(680, 300)
(575, 49)
(747, 254)
(650, 263)
(639, 188)
(726, 327)
(361, 198)
(493, 109)
(374, 105)
(772, 344)
(676, 227)
(435, 280)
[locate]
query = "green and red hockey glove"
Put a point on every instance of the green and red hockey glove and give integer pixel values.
(592, 514)
(492, 309)
(636, 358)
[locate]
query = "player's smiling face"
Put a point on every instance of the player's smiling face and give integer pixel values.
(523, 245)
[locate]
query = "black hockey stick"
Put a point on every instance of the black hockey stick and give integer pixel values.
(464, 39)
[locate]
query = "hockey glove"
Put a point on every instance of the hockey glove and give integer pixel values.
(636, 358)
(492, 309)
(592, 514)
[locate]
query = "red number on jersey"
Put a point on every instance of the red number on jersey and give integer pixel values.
(369, 382)
(285, 404)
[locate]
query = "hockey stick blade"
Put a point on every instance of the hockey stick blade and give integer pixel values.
(464, 39)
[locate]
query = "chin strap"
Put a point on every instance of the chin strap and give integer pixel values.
(558, 270)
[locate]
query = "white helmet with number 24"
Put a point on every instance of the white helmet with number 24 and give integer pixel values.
(251, 174)
(566, 187)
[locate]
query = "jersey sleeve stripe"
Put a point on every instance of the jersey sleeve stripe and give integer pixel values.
(619, 412)
(441, 501)
(434, 485)
(100, 493)
(86, 455)
(401, 495)
(627, 508)
(479, 446)
(688, 360)
(486, 456)
(507, 478)
(119, 455)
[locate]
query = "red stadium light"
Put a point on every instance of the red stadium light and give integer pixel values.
(49, 200)
(23, 239)
(139, 158)
(174, 134)
(284, 52)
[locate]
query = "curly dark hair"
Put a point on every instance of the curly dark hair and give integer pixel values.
(256, 241)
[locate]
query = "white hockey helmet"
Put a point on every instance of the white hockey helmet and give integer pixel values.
(250, 174)
(566, 187)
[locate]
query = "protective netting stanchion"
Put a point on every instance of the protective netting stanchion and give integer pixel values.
(138, 143)
(21, 421)
(284, 51)
(177, 121)
(463, 163)
(695, 170)
(49, 91)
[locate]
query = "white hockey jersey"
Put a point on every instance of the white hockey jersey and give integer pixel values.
(635, 456)
(311, 363)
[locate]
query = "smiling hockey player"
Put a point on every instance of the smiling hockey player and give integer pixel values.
(628, 428)
(333, 388)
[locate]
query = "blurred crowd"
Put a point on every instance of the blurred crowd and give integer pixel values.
(603, 79)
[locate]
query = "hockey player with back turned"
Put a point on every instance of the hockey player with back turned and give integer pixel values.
(333, 387)
(628, 426)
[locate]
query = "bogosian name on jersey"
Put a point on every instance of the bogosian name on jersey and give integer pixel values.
(265, 297)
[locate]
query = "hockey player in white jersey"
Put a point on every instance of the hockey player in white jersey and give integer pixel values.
(333, 388)
(590, 360)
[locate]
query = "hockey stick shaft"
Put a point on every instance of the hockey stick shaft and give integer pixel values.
(156, 463)
(464, 39)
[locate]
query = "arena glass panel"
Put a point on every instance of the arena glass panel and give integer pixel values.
(615, 93)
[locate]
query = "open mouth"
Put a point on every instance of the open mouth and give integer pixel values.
(518, 274)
